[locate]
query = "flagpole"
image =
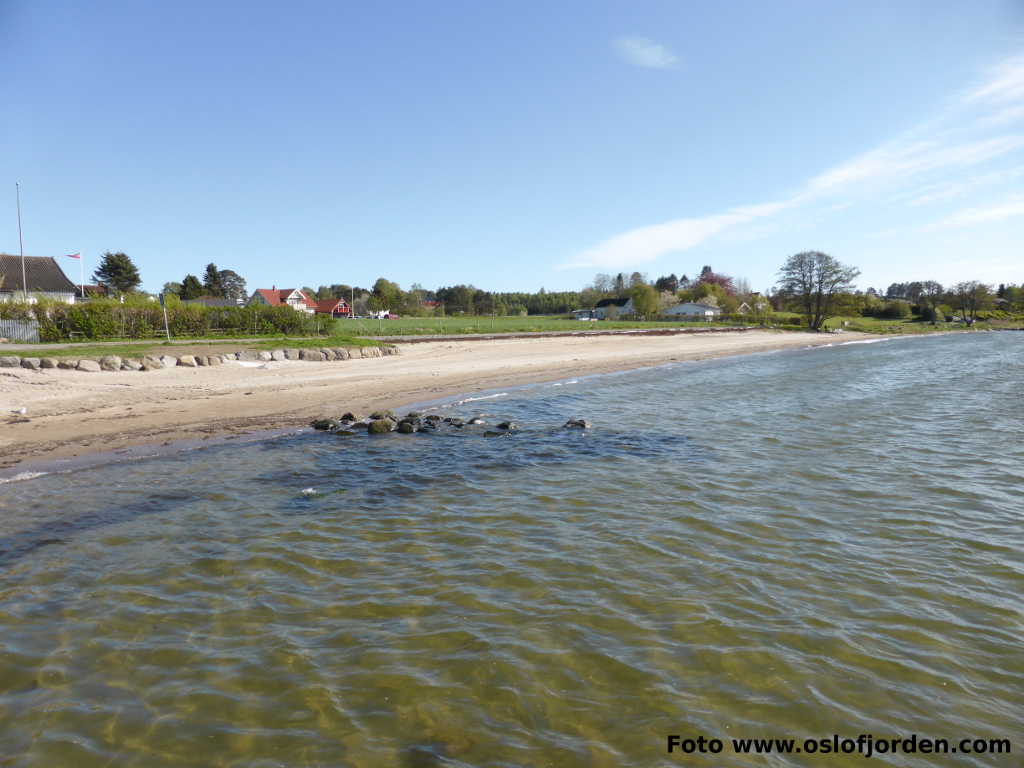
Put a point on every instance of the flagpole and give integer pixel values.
(81, 274)
(21, 244)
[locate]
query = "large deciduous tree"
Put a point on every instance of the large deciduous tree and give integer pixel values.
(969, 297)
(812, 279)
(232, 285)
(646, 301)
(117, 271)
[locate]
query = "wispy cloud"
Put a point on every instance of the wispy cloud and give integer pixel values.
(1005, 209)
(944, 154)
(646, 244)
(643, 52)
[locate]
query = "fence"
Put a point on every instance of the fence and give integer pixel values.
(19, 330)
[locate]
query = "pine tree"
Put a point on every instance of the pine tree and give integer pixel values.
(212, 281)
(117, 271)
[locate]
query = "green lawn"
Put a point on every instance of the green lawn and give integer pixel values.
(187, 347)
(425, 326)
(890, 326)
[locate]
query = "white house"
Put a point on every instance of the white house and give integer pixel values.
(617, 307)
(42, 273)
(694, 311)
(278, 297)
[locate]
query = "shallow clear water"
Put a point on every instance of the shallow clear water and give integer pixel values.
(790, 545)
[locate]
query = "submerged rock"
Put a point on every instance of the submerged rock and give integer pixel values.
(380, 426)
(406, 427)
(508, 426)
(342, 432)
(476, 420)
(324, 424)
(577, 424)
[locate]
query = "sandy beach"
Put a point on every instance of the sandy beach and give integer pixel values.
(72, 413)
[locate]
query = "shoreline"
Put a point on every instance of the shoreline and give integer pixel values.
(72, 415)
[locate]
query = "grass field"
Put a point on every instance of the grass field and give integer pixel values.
(425, 326)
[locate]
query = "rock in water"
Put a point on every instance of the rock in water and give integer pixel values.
(324, 424)
(349, 416)
(476, 420)
(508, 426)
(380, 426)
(577, 424)
(382, 415)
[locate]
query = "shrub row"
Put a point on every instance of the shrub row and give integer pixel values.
(113, 320)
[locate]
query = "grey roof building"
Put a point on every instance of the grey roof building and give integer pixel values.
(43, 274)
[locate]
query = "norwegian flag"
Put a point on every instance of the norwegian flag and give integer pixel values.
(73, 255)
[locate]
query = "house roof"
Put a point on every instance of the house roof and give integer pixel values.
(211, 301)
(43, 274)
(611, 302)
(699, 305)
(326, 306)
(276, 297)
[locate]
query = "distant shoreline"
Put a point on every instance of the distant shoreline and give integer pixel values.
(73, 414)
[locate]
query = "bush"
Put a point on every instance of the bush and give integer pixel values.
(109, 319)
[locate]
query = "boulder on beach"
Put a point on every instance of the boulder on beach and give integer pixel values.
(187, 361)
(32, 363)
(10, 362)
(311, 355)
(110, 363)
(291, 354)
(278, 355)
(340, 353)
(214, 360)
(168, 361)
(249, 356)
(264, 356)
(349, 416)
(67, 365)
(327, 353)
(380, 426)
(90, 366)
(48, 362)
(130, 364)
(151, 363)
(577, 424)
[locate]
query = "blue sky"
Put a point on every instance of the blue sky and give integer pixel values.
(516, 145)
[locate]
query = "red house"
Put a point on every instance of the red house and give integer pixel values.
(286, 297)
(333, 307)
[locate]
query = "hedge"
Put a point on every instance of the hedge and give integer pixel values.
(108, 319)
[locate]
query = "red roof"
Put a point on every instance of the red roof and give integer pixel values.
(276, 297)
(328, 306)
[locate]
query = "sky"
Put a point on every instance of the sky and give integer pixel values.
(516, 145)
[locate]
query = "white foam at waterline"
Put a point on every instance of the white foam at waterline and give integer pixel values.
(482, 397)
(564, 383)
(22, 476)
(861, 341)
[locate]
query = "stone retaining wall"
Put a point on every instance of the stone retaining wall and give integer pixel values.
(154, 362)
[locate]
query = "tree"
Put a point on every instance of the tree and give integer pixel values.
(211, 281)
(668, 283)
(636, 279)
(171, 289)
(812, 279)
(929, 299)
(969, 297)
(191, 288)
(646, 301)
(117, 271)
(232, 285)
(707, 277)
